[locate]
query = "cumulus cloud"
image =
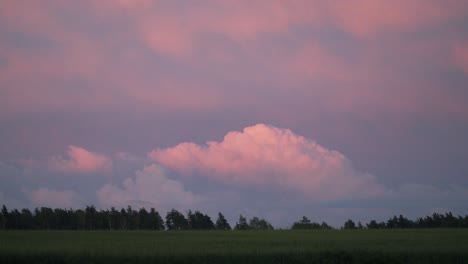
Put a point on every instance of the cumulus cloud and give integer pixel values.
(150, 187)
(80, 160)
(53, 198)
(263, 155)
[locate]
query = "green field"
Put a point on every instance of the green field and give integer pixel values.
(321, 246)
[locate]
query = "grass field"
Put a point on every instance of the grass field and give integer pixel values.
(321, 246)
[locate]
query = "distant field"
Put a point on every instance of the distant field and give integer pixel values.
(321, 246)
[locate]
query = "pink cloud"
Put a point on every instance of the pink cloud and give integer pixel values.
(119, 86)
(364, 18)
(166, 35)
(53, 198)
(263, 155)
(149, 187)
(41, 20)
(75, 55)
(175, 29)
(314, 62)
(460, 56)
(376, 85)
(81, 56)
(80, 160)
(178, 31)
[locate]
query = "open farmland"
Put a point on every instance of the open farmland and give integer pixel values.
(320, 246)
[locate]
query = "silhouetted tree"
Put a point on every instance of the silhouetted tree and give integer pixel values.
(156, 220)
(80, 219)
(113, 218)
(304, 220)
(133, 218)
(325, 226)
(123, 219)
(199, 221)
(359, 225)
(392, 222)
(305, 223)
(14, 221)
(403, 222)
(4, 217)
(45, 217)
(242, 223)
(176, 220)
(349, 224)
(259, 224)
(145, 221)
(222, 223)
(91, 217)
(27, 220)
(374, 225)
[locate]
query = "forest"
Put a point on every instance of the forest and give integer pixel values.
(90, 218)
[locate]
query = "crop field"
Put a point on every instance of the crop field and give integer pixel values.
(289, 246)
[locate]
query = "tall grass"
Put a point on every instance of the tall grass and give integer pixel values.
(314, 246)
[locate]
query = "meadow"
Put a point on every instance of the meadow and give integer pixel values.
(278, 246)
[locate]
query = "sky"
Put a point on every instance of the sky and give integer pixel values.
(277, 109)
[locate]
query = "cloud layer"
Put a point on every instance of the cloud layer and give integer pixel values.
(263, 155)
(203, 39)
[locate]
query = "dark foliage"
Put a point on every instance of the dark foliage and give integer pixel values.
(259, 224)
(90, 218)
(254, 224)
(305, 223)
(199, 221)
(175, 220)
(222, 223)
(436, 220)
(45, 218)
(242, 223)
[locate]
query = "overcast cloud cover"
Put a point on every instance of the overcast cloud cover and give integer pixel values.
(276, 109)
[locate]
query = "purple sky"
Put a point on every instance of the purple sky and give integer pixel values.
(276, 109)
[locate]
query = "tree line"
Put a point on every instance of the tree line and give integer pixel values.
(436, 220)
(89, 218)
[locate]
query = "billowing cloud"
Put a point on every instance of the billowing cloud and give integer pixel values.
(80, 160)
(149, 188)
(264, 155)
(53, 198)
